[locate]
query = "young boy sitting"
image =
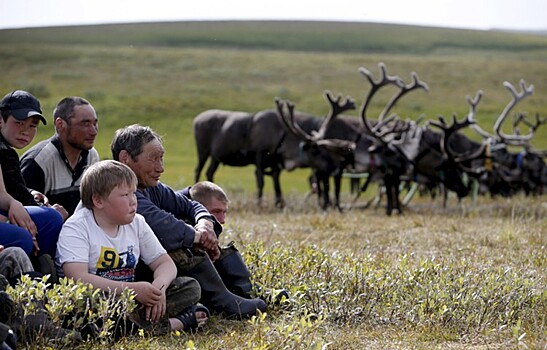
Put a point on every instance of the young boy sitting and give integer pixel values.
(101, 245)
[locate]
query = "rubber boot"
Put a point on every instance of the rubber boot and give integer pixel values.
(215, 295)
(237, 278)
(234, 272)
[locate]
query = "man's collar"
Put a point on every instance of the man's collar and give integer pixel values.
(57, 143)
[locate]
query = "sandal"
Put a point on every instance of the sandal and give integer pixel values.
(188, 317)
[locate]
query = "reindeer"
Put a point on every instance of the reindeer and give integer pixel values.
(229, 137)
(327, 153)
(221, 136)
(397, 142)
(260, 139)
(506, 172)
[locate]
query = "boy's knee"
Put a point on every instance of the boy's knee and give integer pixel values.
(182, 293)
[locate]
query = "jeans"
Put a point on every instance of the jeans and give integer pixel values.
(48, 222)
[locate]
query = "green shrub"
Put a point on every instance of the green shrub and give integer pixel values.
(70, 305)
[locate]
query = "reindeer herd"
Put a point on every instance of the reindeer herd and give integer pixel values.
(388, 149)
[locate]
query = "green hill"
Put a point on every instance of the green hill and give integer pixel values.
(282, 35)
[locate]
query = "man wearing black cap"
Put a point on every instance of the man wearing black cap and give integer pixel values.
(55, 166)
(37, 232)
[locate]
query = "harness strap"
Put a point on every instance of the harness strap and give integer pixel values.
(488, 157)
(520, 159)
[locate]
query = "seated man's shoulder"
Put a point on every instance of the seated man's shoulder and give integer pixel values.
(43, 151)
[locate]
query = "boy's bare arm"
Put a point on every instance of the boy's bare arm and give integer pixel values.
(165, 271)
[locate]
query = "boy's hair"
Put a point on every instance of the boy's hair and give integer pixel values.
(132, 139)
(102, 177)
(204, 191)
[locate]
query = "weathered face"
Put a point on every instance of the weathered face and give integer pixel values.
(218, 209)
(121, 205)
(19, 133)
(82, 130)
(148, 166)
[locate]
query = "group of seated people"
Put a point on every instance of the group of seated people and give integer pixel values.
(112, 223)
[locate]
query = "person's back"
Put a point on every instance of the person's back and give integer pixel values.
(230, 265)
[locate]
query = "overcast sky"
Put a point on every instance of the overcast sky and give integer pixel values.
(473, 14)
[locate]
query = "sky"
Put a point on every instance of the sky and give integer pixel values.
(469, 14)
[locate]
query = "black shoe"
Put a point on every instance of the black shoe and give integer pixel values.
(8, 340)
(38, 324)
(189, 319)
(272, 296)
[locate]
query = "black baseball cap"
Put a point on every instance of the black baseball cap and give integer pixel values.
(22, 105)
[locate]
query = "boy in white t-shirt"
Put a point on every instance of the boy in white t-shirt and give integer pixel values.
(102, 242)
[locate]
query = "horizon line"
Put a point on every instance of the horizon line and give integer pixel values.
(99, 23)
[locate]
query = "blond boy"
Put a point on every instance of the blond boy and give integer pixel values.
(103, 241)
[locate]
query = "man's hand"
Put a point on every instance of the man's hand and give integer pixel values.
(214, 254)
(40, 197)
(61, 210)
(206, 238)
(19, 216)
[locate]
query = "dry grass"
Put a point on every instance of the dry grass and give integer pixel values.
(492, 236)
(462, 277)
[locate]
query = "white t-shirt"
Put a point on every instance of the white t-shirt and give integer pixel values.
(82, 240)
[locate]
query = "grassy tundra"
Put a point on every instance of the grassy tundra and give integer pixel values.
(464, 277)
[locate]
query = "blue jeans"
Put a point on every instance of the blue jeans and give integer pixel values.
(48, 222)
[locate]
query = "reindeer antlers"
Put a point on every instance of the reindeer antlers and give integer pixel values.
(516, 97)
(384, 80)
(336, 109)
(415, 84)
(521, 118)
(514, 139)
(318, 137)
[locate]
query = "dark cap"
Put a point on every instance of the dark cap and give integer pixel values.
(22, 105)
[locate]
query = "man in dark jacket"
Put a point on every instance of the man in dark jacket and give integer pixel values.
(192, 246)
(230, 266)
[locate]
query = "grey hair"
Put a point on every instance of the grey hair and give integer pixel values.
(132, 138)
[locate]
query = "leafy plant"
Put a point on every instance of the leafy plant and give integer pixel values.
(66, 306)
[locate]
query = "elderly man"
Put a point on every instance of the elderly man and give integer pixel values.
(193, 248)
(55, 166)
